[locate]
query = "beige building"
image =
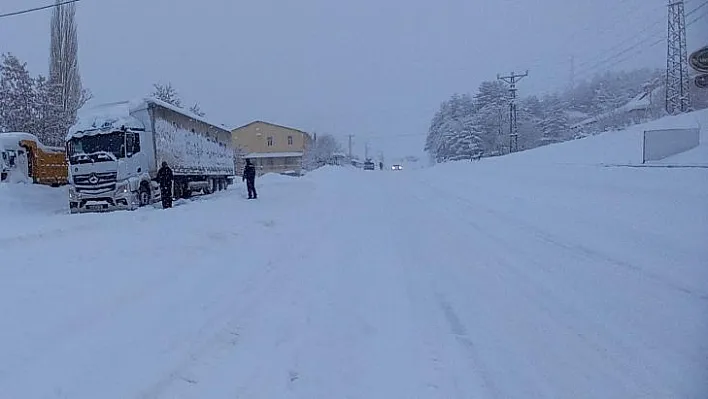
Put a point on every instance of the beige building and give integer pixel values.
(272, 148)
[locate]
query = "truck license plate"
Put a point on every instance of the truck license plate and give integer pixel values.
(95, 207)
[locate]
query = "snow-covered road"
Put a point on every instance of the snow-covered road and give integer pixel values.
(462, 281)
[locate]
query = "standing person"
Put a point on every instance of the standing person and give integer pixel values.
(165, 177)
(249, 175)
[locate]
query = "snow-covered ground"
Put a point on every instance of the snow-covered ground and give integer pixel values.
(545, 274)
(623, 147)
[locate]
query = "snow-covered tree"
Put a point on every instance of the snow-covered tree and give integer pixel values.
(465, 143)
(541, 122)
(449, 122)
(554, 124)
(166, 93)
(64, 65)
(321, 152)
(196, 110)
(51, 120)
(492, 104)
(17, 96)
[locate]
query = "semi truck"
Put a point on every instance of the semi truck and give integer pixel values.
(24, 158)
(115, 151)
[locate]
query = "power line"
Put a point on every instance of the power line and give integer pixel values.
(12, 14)
(620, 20)
(624, 51)
(705, 3)
(693, 21)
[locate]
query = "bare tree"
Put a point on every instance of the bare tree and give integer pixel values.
(197, 110)
(167, 93)
(64, 63)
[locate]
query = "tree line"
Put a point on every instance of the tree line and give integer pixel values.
(467, 126)
(45, 105)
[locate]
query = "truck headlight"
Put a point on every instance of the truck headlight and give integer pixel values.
(122, 188)
(73, 195)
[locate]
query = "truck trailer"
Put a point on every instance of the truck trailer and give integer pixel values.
(24, 158)
(115, 151)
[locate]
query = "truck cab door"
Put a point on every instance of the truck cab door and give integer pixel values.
(134, 155)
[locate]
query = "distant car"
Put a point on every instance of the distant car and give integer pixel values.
(369, 165)
(397, 167)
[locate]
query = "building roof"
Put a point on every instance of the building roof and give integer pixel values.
(273, 155)
(271, 124)
(641, 102)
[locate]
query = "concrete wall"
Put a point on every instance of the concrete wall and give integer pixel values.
(659, 144)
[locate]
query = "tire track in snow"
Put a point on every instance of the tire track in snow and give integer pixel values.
(462, 336)
(446, 338)
(547, 300)
(223, 325)
(573, 248)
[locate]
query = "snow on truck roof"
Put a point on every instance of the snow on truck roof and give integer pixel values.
(106, 118)
(12, 140)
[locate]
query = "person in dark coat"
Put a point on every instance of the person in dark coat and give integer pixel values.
(249, 176)
(165, 178)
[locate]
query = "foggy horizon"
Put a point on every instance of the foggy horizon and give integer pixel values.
(374, 69)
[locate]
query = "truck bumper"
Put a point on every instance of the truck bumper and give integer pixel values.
(107, 202)
(86, 203)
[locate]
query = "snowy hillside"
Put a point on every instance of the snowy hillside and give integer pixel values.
(619, 147)
(546, 274)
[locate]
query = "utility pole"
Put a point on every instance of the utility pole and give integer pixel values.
(677, 84)
(350, 146)
(366, 151)
(513, 127)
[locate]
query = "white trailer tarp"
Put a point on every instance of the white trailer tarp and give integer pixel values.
(188, 152)
(662, 143)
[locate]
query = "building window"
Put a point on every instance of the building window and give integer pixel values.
(290, 140)
(270, 141)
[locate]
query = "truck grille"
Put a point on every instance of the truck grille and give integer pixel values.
(95, 183)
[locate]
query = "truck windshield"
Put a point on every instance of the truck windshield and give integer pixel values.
(99, 148)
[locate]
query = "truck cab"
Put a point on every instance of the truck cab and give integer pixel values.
(109, 169)
(14, 161)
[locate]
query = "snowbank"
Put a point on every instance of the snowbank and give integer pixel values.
(31, 199)
(617, 147)
(527, 276)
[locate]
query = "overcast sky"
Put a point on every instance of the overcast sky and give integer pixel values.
(377, 69)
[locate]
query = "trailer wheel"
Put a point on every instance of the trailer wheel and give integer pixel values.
(144, 195)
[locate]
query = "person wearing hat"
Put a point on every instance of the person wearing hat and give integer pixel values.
(165, 177)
